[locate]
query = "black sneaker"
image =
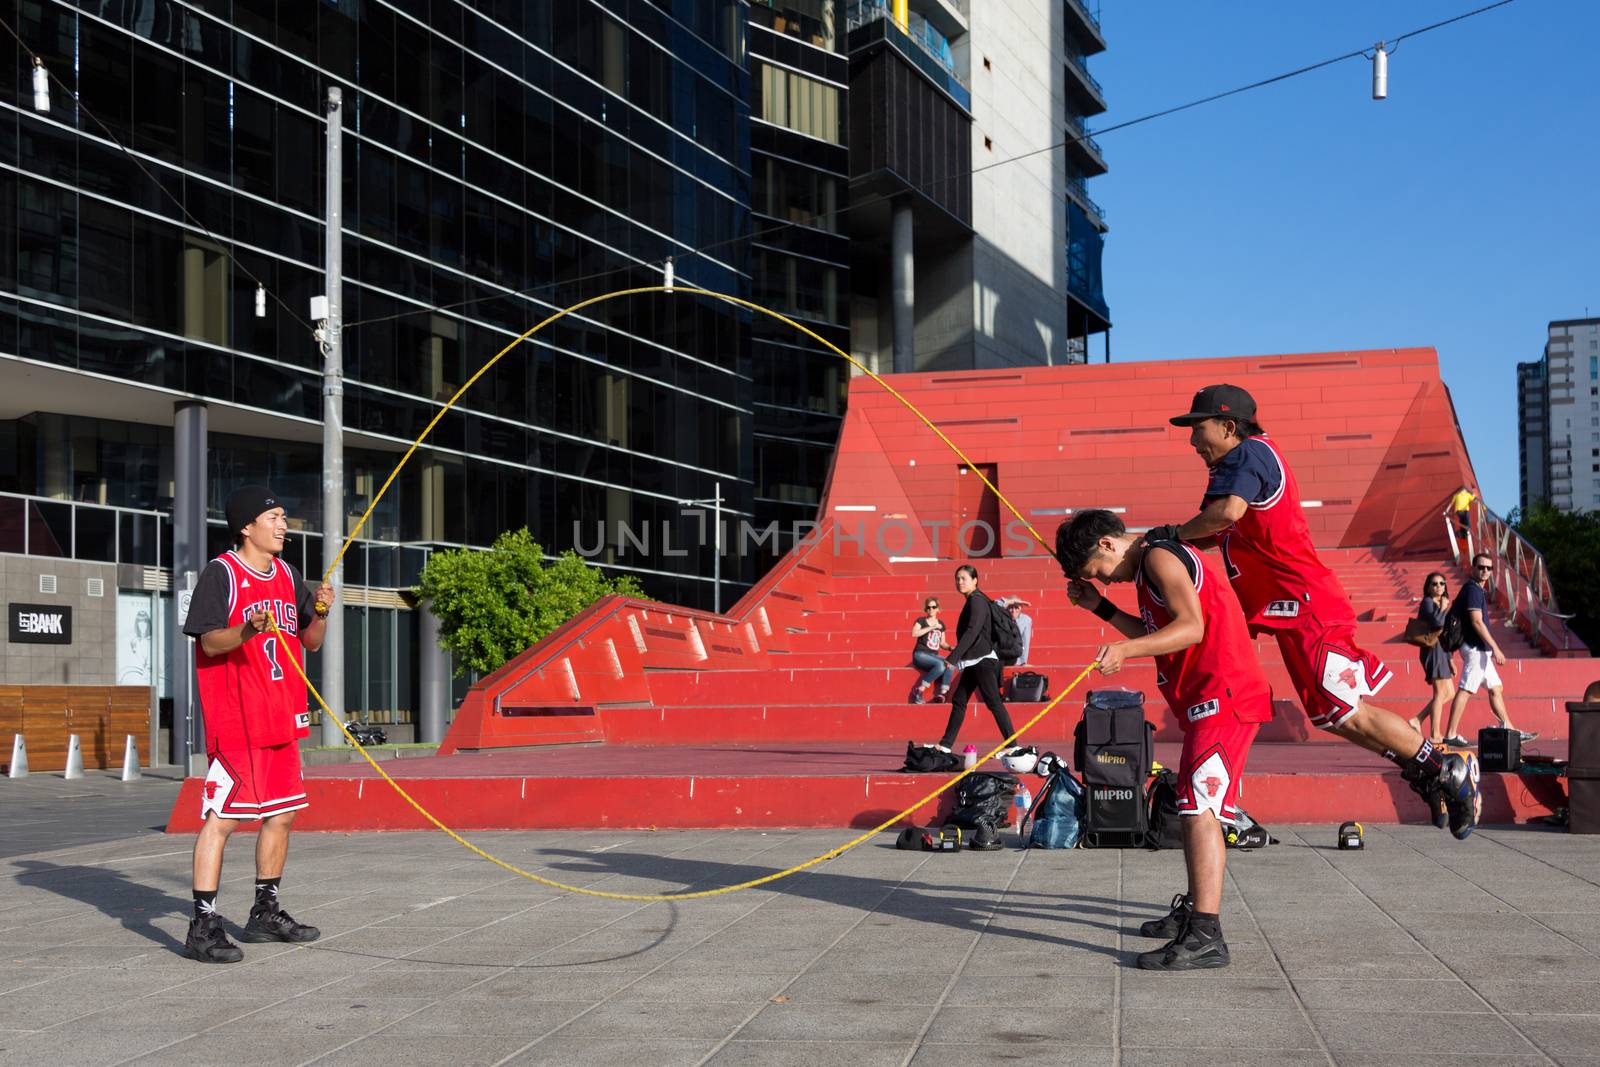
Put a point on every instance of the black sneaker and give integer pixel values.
(208, 941)
(1458, 784)
(1170, 925)
(274, 924)
(1187, 952)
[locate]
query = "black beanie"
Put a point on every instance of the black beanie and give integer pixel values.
(247, 502)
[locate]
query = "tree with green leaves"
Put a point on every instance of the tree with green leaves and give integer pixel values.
(1570, 544)
(494, 604)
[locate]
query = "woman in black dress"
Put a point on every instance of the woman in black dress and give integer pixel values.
(1436, 666)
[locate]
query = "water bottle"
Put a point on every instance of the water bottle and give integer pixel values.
(1022, 802)
(969, 757)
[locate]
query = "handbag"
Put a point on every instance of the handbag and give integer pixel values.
(1419, 633)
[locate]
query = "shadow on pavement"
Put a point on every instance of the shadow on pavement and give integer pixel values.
(131, 903)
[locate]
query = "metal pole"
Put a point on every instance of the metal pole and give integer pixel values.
(333, 525)
(188, 559)
(716, 558)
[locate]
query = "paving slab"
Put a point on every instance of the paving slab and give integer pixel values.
(1418, 950)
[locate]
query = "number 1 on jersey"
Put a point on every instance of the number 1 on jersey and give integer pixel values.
(270, 647)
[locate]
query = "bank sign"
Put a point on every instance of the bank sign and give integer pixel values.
(39, 624)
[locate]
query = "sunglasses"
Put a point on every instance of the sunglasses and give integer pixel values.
(929, 607)
(1482, 567)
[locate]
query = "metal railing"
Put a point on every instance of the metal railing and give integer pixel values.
(1076, 128)
(1076, 187)
(931, 42)
(1092, 14)
(1521, 583)
(1076, 62)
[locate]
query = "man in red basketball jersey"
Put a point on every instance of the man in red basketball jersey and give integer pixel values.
(254, 703)
(1207, 669)
(1252, 512)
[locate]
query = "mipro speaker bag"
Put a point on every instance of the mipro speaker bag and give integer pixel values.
(1113, 748)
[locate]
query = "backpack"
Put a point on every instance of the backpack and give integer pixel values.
(983, 797)
(1113, 749)
(925, 759)
(1004, 635)
(1166, 831)
(1247, 835)
(1028, 687)
(1453, 634)
(1058, 813)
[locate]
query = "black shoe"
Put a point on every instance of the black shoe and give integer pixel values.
(208, 942)
(1458, 783)
(1170, 925)
(1187, 952)
(274, 924)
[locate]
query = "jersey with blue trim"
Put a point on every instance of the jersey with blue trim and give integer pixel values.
(1271, 562)
(1219, 672)
(251, 697)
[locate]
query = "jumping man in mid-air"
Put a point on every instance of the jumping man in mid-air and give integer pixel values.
(1252, 513)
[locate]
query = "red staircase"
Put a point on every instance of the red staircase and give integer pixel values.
(792, 709)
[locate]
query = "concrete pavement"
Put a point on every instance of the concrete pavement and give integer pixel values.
(1419, 950)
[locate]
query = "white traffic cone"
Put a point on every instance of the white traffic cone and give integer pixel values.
(130, 761)
(74, 767)
(19, 758)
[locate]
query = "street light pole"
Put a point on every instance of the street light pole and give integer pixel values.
(715, 503)
(333, 526)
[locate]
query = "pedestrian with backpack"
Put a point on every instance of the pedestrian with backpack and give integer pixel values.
(1190, 623)
(978, 656)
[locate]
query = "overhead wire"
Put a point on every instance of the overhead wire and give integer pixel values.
(932, 183)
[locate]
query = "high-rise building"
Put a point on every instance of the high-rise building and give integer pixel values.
(1533, 445)
(960, 262)
(1572, 362)
(500, 161)
(799, 254)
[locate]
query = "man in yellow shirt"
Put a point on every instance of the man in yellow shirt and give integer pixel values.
(1461, 504)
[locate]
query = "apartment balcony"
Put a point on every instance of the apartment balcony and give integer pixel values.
(1079, 194)
(1083, 149)
(1082, 86)
(1083, 25)
(870, 23)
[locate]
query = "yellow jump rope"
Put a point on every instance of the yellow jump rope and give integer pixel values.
(752, 883)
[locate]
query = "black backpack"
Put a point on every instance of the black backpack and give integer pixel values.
(983, 798)
(1113, 748)
(1004, 635)
(1166, 831)
(1028, 687)
(925, 759)
(1451, 636)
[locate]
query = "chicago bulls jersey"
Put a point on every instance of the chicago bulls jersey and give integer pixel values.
(1221, 670)
(1281, 582)
(251, 697)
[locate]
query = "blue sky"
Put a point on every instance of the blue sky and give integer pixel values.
(1462, 212)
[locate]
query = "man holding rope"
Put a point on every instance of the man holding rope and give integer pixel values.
(1252, 512)
(1189, 621)
(253, 698)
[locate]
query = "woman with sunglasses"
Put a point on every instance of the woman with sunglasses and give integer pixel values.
(1436, 665)
(928, 632)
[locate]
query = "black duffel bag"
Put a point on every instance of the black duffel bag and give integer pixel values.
(1028, 687)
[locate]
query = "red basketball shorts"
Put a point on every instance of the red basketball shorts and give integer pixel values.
(253, 783)
(1211, 770)
(1330, 672)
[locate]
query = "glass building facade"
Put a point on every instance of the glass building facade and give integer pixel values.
(501, 160)
(799, 254)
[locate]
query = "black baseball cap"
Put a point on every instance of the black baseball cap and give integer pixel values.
(247, 502)
(1218, 402)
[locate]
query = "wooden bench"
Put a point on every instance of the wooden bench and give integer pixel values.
(101, 715)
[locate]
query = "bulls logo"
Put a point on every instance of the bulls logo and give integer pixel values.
(1213, 786)
(211, 790)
